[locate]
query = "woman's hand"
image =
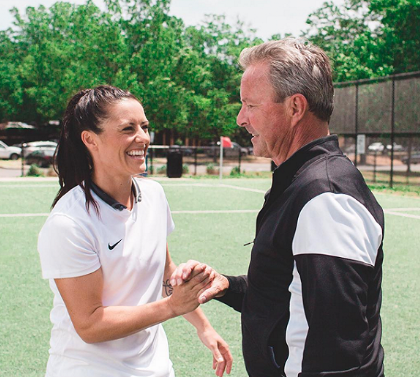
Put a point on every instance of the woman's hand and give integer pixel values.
(222, 358)
(184, 298)
(217, 286)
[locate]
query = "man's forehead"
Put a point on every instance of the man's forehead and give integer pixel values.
(256, 70)
(255, 76)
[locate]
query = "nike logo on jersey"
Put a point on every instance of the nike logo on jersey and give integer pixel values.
(110, 247)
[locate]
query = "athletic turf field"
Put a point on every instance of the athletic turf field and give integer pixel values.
(212, 223)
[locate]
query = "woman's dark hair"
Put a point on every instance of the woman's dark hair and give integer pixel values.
(86, 110)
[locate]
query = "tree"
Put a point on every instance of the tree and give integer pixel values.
(368, 38)
(186, 78)
(400, 25)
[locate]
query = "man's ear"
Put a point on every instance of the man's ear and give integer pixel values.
(298, 106)
(89, 139)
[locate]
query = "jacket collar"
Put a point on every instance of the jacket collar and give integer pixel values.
(287, 171)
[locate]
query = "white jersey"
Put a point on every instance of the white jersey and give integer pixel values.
(130, 247)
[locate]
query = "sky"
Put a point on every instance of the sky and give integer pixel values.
(268, 17)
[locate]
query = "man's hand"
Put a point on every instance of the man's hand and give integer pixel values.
(217, 286)
(185, 297)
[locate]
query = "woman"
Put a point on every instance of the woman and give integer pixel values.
(103, 249)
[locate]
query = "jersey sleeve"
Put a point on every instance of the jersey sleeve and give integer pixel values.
(65, 249)
(170, 222)
(335, 248)
(234, 296)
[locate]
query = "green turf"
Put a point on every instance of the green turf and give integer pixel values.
(214, 238)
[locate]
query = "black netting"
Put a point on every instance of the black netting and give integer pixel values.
(407, 105)
(343, 119)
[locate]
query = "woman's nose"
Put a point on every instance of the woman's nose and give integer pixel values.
(142, 137)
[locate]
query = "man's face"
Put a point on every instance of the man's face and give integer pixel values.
(263, 118)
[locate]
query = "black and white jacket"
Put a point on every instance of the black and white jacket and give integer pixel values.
(311, 300)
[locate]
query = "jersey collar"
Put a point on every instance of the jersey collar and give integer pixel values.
(135, 189)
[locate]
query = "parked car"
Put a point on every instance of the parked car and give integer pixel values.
(415, 159)
(41, 157)
(227, 152)
(185, 150)
(16, 125)
(9, 153)
(397, 147)
(376, 147)
(38, 145)
(350, 149)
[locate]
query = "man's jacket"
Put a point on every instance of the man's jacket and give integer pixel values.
(310, 302)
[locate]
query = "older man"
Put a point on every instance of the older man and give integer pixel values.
(311, 299)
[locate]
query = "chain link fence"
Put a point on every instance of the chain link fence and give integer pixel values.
(378, 122)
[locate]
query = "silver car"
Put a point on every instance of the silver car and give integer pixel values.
(38, 145)
(9, 153)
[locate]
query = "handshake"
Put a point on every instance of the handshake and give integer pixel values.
(216, 286)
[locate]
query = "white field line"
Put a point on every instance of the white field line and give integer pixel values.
(191, 212)
(389, 212)
(217, 185)
(243, 188)
(24, 214)
(173, 212)
(218, 211)
(25, 186)
(402, 209)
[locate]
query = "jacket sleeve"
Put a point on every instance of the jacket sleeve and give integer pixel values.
(235, 294)
(335, 248)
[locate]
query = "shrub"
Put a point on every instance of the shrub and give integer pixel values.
(211, 169)
(161, 169)
(51, 172)
(34, 171)
(185, 169)
(235, 171)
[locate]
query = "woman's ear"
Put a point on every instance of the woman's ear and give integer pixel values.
(89, 139)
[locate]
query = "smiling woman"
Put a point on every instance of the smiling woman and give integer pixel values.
(109, 268)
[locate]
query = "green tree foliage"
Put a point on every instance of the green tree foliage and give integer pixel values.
(186, 77)
(400, 25)
(370, 38)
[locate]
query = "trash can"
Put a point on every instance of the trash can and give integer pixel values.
(174, 163)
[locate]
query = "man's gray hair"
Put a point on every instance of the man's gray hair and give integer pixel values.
(296, 66)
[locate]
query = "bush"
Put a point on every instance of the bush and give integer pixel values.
(51, 172)
(34, 171)
(161, 169)
(185, 169)
(211, 169)
(235, 171)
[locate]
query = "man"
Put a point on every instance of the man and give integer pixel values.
(311, 299)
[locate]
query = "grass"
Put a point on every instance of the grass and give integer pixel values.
(216, 239)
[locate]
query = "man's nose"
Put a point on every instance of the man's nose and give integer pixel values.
(241, 119)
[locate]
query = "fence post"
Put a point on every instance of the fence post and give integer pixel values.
(356, 124)
(22, 156)
(151, 161)
(391, 178)
(195, 160)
